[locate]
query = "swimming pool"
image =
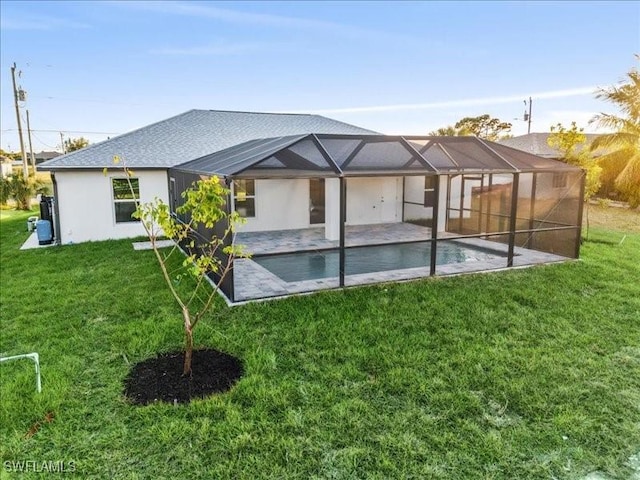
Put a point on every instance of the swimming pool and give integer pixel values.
(296, 267)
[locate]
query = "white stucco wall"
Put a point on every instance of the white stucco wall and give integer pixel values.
(374, 200)
(332, 209)
(281, 204)
(85, 204)
(414, 193)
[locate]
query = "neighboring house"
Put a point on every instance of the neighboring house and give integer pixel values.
(45, 156)
(329, 204)
(536, 144)
(6, 168)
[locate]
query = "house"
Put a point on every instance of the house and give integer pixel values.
(45, 156)
(6, 168)
(536, 144)
(329, 205)
(91, 206)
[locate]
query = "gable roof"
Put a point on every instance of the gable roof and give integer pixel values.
(46, 155)
(192, 135)
(330, 155)
(536, 143)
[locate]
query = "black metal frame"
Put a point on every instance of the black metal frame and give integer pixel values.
(477, 174)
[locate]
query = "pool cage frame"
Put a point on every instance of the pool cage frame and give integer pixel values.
(457, 160)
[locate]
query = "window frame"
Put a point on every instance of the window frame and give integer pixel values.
(114, 201)
(245, 196)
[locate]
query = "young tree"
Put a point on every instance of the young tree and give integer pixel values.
(623, 145)
(204, 206)
(571, 142)
(73, 144)
(449, 131)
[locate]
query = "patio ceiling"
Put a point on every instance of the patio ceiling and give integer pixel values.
(331, 155)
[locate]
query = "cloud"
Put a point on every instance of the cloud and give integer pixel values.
(469, 102)
(261, 19)
(39, 23)
(218, 49)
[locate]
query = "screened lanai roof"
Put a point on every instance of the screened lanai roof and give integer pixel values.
(359, 155)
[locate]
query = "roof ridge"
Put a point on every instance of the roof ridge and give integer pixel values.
(257, 113)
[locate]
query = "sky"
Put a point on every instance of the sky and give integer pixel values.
(99, 69)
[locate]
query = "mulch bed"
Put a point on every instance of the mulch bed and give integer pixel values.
(161, 379)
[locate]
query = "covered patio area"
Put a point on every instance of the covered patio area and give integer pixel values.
(329, 211)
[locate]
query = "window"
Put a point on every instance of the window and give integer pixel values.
(124, 198)
(560, 180)
(430, 191)
(172, 195)
(244, 196)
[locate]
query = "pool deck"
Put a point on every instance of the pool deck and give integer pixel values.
(252, 281)
(311, 239)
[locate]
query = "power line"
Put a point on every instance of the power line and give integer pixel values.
(63, 130)
(43, 142)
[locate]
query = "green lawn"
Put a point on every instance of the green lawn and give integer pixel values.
(531, 373)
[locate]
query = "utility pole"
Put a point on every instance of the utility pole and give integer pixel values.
(62, 142)
(33, 158)
(25, 169)
(527, 116)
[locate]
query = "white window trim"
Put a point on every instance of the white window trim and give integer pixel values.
(114, 200)
(234, 195)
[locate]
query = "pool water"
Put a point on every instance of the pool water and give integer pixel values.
(296, 267)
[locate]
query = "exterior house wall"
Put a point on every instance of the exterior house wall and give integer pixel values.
(374, 200)
(86, 208)
(281, 204)
(414, 194)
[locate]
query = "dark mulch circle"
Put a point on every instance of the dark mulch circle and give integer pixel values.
(161, 379)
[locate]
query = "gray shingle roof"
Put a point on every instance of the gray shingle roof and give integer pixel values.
(536, 143)
(194, 134)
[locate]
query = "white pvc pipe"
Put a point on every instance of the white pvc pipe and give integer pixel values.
(36, 359)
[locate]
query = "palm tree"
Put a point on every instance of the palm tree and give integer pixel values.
(622, 155)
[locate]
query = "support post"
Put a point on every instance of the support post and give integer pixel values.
(513, 218)
(490, 193)
(343, 218)
(532, 208)
(581, 202)
(33, 158)
(434, 228)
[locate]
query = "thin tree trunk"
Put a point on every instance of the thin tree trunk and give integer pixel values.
(188, 337)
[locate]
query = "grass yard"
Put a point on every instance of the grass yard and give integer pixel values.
(531, 373)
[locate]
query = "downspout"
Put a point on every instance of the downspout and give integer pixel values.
(56, 211)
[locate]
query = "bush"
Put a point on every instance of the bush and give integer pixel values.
(22, 190)
(5, 190)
